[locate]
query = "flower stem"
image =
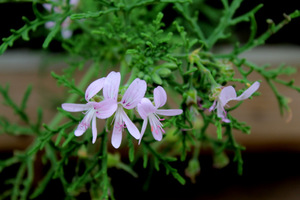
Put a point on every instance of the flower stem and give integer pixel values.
(208, 74)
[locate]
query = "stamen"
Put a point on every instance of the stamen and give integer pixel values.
(163, 130)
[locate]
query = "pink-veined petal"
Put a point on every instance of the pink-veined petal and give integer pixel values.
(247, 93)
(132, 129)
(94, 129)
(111, 85)
(169, 112)
(157, 134)
(105, 108)
(213, 106)
(221, 111)
(94, 88)
(227, 94)
(116, 137)
(156, 127)
(145, 107)
(144, 126)
(80, 130)
(73, 107)
(85, 122)
(160, 96)
(134, 94)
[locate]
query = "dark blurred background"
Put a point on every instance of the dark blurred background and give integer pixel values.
(11, 18)
(271, 159)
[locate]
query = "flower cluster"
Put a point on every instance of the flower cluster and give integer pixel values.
(65, 31)
(110, 103)
(228, 94)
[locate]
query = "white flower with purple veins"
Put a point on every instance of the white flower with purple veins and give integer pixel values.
(132, 96)
(228, 94)
(150, 112)
(102, 110)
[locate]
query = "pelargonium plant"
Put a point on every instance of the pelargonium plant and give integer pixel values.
(152, 82)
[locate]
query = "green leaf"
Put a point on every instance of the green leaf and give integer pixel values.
(90, 14)
(25, 97)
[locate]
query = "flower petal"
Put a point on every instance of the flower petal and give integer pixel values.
(157, 134)
(47, 6)
(116, 137)
(105, 108)
(144, 126)
(221, 111)
(134, 94)
(227, 94)
(94, 129)
(132, 129)
(145, 107)
(85, 122)
(169, 112)
(66, 34)
(156, 127)
(73, 107)
(94, 88)
(213, 106)
(247, 93)
(80, 130)
(111, 85)
(160, 96)
(49, 24)
(74, 2)
(226, 120)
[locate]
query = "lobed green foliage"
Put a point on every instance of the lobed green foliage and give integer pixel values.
(141, 39)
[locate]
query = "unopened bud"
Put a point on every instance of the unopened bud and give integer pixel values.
(168, 65)
(226, 68)
(194, 56)
(113, 159)
(156, 78)
(220, 160)
(193, 169)
(164, 72)
(191, 97)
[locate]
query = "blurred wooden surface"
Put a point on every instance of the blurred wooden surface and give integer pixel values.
(269, 130)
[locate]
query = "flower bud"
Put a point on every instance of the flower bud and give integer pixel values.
(193, 169)
(164, 72)
(194, 56)
(215, 93)
(226, 68)
(141, 75)
(220, 160)
(171, 66)
(191, 97)
(113, 159)
(156, 78)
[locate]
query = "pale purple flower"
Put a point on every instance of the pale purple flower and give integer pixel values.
(228, 94)
(150, 112)
(130, 99)
(102, 110)
(65, 31)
